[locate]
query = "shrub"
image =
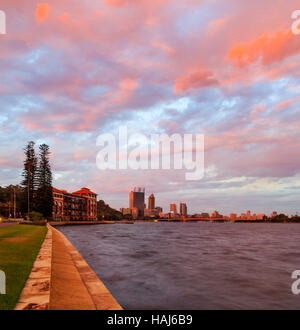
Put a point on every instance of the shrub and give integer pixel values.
(36, 216)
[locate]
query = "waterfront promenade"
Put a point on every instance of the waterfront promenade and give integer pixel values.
(74, 285)
(62, 280)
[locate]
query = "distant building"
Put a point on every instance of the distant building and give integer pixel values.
(159, 209)
(260, 216)
(183, 209)
(137, 200)
(135, 213)
(165, 215)
(125, 211)
(248, 215)
(173, 208)
(151, 202)
(80, 205)
(151, 213)
(204, 215)
(273, 214)
(216, 214)
(233, 216)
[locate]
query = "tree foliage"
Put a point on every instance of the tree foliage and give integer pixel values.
(44, 195)
(37, 180)
(105, 212)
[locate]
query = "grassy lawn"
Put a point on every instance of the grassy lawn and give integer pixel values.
(19, 246)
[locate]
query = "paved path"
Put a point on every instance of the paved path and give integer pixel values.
(67, 290)
(74, 285)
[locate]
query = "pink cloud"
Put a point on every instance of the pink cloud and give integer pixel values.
(282, 105)
(258, 108)
(267, 47)
(194, 81)
(42, 12)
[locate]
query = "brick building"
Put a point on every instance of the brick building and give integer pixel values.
(80, 205)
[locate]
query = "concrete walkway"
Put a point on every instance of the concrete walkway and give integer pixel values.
(74, 285)
(67, 289)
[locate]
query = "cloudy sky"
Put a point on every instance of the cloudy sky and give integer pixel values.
(72, 69)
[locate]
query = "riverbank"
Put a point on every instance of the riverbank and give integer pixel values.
(62, 280)
(80, 223)
(74, 285)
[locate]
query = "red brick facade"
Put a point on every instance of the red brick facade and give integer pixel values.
(80, 205)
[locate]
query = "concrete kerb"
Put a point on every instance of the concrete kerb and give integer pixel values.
(96, 295)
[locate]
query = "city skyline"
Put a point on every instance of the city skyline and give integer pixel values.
(139, 209)
(203, 67)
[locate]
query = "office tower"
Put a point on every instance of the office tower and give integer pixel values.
(248, 215)
(137, 200)
(173, 208)
(216, 214)
(151, 202)
(183, 209)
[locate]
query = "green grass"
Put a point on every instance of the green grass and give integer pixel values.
(17, 258)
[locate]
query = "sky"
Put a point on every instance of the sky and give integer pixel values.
(72, 70)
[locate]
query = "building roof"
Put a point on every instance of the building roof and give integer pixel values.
(84, 191)
(79, 192)
(58, 190)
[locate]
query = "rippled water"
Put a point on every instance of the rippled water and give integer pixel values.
(193, 265)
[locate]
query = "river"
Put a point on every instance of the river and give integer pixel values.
(193, 265)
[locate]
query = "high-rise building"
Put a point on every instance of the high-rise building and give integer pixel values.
(183, 209)
(137, 200)
(248, 215)
(151, 202)
(159, 209)
(216, 214)
(173, 208)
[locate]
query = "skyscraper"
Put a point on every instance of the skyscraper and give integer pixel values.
(183, 209)
(137, 200)
(151, 202)
(173, 208)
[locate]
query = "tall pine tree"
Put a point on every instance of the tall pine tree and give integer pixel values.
(44, 196)
(29, 181)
